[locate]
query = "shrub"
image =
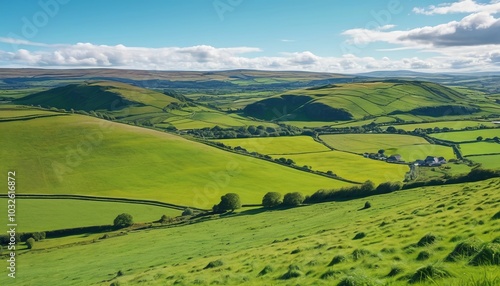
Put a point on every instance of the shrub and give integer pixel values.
(367, 205)
(187, 211)
(430, 272)
(30, 243)
(166, 219)
(388, 187)
(229, 202)
(123, 220)
(271, 199)
(293, 199)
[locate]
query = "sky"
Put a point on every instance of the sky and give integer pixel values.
(321, 35)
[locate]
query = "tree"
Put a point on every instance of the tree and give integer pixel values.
(381, 151)
(479, 138)
(271, 199)
(30, 242)
(187, 211)
(229, 202)
(123, 220)
(293, 199)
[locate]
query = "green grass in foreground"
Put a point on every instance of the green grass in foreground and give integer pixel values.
(52, 214)
(77, 154)
(322, 243)
(409, 147)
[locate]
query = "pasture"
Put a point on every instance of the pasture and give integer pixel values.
(77, 154)
(51, 214)
(487, 161)
(456, 125)
(409, 147)
(351, 166)
(479, 148)
(326, 244)
(277, 145)
(466, 136)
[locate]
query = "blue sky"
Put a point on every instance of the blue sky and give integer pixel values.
(321, 35)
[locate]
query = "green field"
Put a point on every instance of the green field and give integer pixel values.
(409, 147)
(278, 145)
(52, 214)
(83, 155)
(456, 125)
(352, 167)
(464, 136)
(307, 237)
(479, 148)
(488, 162)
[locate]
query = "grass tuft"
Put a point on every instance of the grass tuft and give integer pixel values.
(267, 269)
(293, 272)
(359, 253)
(465, 249)
(423, 255)
(427, 240)
(214, 264)
(489, 255)
(395, 270)
(429, 273)
(337, 259)
(359, 235)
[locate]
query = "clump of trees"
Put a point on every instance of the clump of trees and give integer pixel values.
(293, 199)
(228, 202)
(30, 243)
(187, 212)
(123, 220)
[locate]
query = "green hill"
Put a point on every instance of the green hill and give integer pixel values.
(75, 154)
(99, 95)
(369, 99)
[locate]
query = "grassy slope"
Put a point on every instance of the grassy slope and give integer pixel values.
(246, 244)
(51, 214)
(83, 155)
(382, 98)
(409, 147)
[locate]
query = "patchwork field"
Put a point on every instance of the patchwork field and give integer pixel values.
(352, 167)
(409, 147)
(278, 145)
(480, 148)
(464, 136)
(488, 162)
(52, 214)
(323, 244)
(456, 125)
(85, 155)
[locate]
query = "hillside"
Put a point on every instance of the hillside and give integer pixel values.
(75, 154)
(369, 99)
(407, 236)
(97, 95)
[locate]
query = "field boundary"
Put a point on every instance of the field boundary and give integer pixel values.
(104, 199)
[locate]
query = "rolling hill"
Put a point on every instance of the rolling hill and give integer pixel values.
(370, 99)
(75, 154)
(98, 95)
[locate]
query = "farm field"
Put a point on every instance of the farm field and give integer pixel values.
(309, 238)
(352, 167)
(488, 162)
(479, 148)
(277, 145)
(464, 136)
(456, 125)
(409, 147)
(53, 214)
(128, 161)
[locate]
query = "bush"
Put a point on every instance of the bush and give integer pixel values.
(271, 199)
(187, 211)
(166, 219)
(123, 220)
(293, 199)
(229, 202)
(367, 205)
(30, 243)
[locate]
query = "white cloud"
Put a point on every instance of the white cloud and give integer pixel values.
(463, 6)
(211, 58)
